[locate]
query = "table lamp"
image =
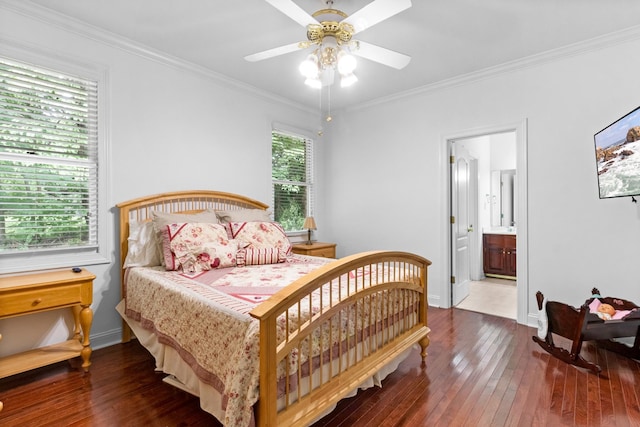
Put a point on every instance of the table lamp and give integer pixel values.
(309, 224)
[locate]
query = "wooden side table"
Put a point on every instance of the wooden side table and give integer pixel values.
(33, 293)
(326, 250)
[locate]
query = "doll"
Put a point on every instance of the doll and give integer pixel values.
(606, 311)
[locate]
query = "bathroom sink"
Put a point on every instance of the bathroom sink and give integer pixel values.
(499, 230)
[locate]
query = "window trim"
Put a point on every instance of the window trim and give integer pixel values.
(310, 149)
(67, 257)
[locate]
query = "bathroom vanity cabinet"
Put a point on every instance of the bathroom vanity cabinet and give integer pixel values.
(499, 255)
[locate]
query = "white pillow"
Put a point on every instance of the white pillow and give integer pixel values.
(162, 219)
(143, 246)
(244, 215)
(543, 321)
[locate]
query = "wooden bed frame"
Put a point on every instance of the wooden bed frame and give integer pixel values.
(406, 326)
(579, 325)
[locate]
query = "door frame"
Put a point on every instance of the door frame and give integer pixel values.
(522, 257)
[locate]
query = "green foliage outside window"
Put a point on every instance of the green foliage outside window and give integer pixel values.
(291, 182)
(48, 211)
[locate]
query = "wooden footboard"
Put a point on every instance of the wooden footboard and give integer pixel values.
(367, 310)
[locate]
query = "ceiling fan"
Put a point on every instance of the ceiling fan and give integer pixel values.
(331, 32)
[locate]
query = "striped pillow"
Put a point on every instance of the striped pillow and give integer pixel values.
(250, 256)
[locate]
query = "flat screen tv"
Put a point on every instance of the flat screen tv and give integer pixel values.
(618, 157)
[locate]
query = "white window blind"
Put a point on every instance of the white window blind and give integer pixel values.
(48, 160)
(292, 176)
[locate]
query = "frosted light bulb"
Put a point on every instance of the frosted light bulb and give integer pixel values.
(346, 63)
(309, 67)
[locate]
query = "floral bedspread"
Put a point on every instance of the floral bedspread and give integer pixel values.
(220, 344)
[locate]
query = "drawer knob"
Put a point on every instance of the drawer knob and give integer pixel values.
(37, 301)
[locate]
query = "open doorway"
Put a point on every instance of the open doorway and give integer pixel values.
(487, 196)
(499, 209)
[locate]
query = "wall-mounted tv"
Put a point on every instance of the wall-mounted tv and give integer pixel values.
(618, 157)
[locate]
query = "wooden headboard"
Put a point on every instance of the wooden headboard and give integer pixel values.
(191, 201)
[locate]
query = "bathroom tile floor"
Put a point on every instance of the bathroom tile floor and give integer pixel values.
(493, 296)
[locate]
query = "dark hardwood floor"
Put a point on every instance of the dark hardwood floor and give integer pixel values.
(481, 370)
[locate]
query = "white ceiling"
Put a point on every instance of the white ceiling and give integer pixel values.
(445, 38)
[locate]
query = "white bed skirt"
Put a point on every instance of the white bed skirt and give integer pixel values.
(182, 376)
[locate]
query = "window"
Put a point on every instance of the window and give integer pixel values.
(292, 175)
(48, 166)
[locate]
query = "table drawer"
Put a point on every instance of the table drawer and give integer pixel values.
(39, 299)
(324, 252)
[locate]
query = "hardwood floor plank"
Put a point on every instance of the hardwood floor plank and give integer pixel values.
(594, 402)
(606, 394)
(619, 404)
(538, 389)
(481, 371)
(432, 394)
(630, 389)
(463, 367)
(523, 391)
(557, 390)
(581, 397)
(510, 407)
(542, 414)
(447, 360)
(486, 414)
(568, 404)
(480, 382)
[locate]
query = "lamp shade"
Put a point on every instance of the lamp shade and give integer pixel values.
(309, 223)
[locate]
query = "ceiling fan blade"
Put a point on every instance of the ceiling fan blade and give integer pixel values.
(293, 11)
(270, 53)
(374, 12)
(379, 54)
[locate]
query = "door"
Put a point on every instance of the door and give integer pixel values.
(462, 166)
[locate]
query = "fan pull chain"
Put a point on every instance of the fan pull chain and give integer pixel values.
(320, 129)
(329, 118)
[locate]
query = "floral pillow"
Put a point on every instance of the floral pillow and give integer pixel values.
(162, 219)
(263, 256)
(196, 247)
(260, 235)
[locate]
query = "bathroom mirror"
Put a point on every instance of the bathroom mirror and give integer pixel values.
(503, 198)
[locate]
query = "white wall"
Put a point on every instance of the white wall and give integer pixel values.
(503, 151)
(170, 128)
(390, 170)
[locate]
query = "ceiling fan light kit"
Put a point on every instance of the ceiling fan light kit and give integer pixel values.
(332, 31)
(323, 62)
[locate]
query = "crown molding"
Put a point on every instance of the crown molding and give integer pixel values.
(72, 25)
(586, 46)
(102, 36)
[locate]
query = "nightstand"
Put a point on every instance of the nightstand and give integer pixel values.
(32, 293)
(326, 250)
